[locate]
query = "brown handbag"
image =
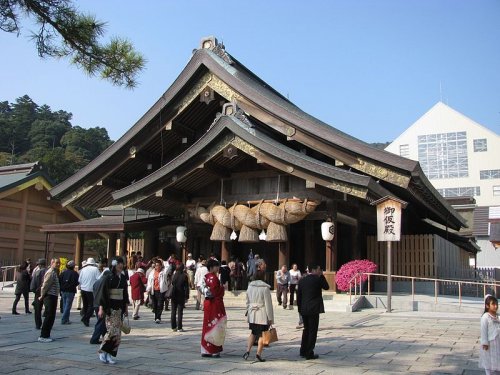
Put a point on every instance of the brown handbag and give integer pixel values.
(270, 336)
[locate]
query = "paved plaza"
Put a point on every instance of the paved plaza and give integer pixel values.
(367, 342)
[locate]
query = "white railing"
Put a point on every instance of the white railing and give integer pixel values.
(357, 279)
(5, 272)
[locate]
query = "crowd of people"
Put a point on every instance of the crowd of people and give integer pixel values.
(104, 291)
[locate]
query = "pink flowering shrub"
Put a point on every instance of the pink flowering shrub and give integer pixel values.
(348, 270)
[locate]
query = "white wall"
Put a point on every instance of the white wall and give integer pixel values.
(488, 256)
(443, 119)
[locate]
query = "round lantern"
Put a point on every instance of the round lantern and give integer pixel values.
(181, 234)
(327, 230)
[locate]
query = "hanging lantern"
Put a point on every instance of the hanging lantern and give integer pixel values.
(233, 235)
(327, 230)
(262, 235)
(181, 234)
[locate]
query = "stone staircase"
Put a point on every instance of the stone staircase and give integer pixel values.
(420, 302)
(401, 303)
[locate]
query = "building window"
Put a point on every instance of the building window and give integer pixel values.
(496, 190)
(443, 155)
(489, 174)
(472, 191)
(480, 145)
(404, 150)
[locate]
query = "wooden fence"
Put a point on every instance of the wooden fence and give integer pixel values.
(133, 244)
(425, 255)
(412, 256)
(429, 256)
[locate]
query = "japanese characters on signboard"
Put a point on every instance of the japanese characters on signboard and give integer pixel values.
(389, 220)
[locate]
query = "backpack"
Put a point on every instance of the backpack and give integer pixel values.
(66, 284)
(37, 281)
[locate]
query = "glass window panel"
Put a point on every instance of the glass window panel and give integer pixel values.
(480, 145)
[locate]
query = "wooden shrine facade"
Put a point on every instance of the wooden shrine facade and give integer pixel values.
(220, 139)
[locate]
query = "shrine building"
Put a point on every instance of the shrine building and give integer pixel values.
(244, 169)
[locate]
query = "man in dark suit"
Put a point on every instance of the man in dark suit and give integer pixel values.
(310, 304)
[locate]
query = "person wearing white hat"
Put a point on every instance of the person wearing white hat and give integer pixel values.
(88, 276)
(138, 283)
(79, 293)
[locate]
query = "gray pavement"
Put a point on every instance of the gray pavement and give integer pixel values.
(366, 342)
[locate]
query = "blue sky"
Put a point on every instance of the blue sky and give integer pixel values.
(369, 68)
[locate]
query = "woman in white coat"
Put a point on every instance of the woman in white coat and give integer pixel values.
(157, 286)
(260, 313)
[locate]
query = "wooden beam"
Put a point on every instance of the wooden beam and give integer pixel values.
(182, 129)
(172, 194)
(113, 183)
(265, 117)
(356, 162)
(215, 170)
(245, 198)
(359, 192)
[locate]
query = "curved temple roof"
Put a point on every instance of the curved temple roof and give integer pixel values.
(211, 66)
(260, 146)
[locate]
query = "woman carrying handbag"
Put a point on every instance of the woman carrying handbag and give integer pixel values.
(260, 314)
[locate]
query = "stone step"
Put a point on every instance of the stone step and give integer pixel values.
(422, 303)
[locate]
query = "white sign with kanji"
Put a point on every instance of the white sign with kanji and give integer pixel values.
(389, 220)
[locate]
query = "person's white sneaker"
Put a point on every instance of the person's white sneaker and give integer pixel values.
(110, 359)
(180, 330)
(103, 357)
(43, 339)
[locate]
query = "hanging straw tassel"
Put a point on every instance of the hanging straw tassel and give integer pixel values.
(248, 235)
(276, 233)
(220, 233)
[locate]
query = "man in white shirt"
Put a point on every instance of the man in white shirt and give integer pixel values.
(88, 276)
(295, 276)
(191, 268)
(198, 280)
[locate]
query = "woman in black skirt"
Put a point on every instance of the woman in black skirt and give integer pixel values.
(259, 312)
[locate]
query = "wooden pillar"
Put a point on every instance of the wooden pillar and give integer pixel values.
(283, 254)
(123, 244)
(329, 256)
(79, 254)
(111, 245)
(150, 243)
(335, 249)
(309, 255)
(224, 253)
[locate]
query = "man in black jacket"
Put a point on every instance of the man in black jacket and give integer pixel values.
(68, 280)
(310, 304)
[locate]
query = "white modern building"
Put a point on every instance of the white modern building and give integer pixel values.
(461, 158)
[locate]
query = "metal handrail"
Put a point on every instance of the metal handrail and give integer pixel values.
(5, 270)
(413, 278)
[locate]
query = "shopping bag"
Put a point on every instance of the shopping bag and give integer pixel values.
(125, 327)
(270, 336)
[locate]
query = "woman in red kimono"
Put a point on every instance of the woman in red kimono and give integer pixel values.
(214, 317)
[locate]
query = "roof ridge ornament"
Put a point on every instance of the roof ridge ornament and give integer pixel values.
(211, 43)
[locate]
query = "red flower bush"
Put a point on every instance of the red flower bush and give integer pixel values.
(348, 270)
